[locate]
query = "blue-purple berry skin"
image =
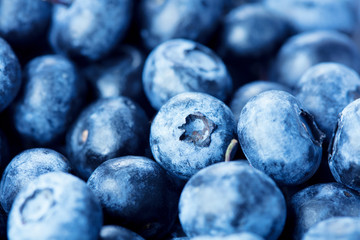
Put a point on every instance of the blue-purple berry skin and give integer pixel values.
(280, 138)
(191, 131)
(344, 161)
(320, 202)
(56, 205)
(242, 199)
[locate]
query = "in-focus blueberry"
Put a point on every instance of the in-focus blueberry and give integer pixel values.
(108, 128)
(56, 205)
(119, 75)
(344, 151)
(89, 29)
(279, 138)
(249, 90)
(191, 131)
(24, 168)
(305, 50)
(22, 21)
(113, 232)
(345, 228)
(319, 202)
(49, 101)
(135, 192)
(10, 75)
(167, 19)
(182, 65)
(325, 90)
(307, 15)
(229, 198)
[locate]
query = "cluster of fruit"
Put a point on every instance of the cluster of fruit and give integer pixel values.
(120, 119)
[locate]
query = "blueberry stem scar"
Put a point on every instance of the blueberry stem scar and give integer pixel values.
(231, 150)
(197, 130)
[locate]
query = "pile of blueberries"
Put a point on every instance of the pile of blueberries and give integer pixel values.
(180, 119)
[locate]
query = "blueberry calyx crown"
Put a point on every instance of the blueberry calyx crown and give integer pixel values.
(42, 200)
(197, 129)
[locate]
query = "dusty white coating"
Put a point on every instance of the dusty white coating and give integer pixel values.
(228, 198)
(344, 228)
(276, 140)
(181, 65)
(344, 155)
(185, 158)
(67, 204)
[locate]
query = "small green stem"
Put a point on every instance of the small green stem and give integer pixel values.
(231, 150)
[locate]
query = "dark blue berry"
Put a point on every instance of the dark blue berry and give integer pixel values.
(108, 128)
(49, 101)
(135, 192)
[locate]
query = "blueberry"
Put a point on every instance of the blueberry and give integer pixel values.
(324, 90)
(319, 202)
(191, 131)
(249, 90)
(119, 75)
(50, 97)
(307, 15)
(55, 206)
(24, 168)
(113, 232)
(249, 36)
(108, 128)
(10, 75)
(344, 150)
(182, 65)
(239, 236)
(229, 198)
(279, 138)
(135, 192)
(305, 50)
(334, 229)
(22, 21)
(167, 19)
(89, 29)
(251, 30)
